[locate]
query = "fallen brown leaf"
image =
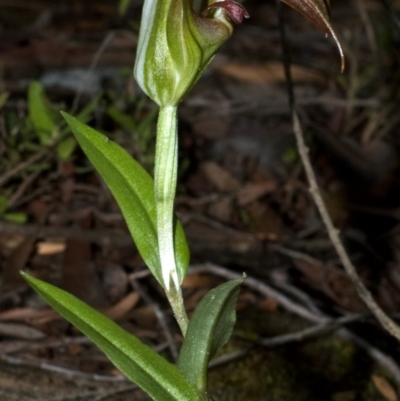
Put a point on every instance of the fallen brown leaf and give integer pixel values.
(252, 192)
(51, 247)
(192, 301)
(268, 73)
(21, 331)
(268, 305)
(79, 275)
(332, 281)
(119, 310)
(144, 316)
(245, 299)
(198, 281)
(385, 388)
(26, 314)
(219, 177)
(16, 261)
(221, 209)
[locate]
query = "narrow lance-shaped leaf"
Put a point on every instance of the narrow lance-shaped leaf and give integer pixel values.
(318, 12)
(209, 329)
(133, 190)
(138, 362)
(44, 118)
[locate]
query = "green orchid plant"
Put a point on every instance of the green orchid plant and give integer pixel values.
(175, 46)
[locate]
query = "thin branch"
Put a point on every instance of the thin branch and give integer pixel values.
(117, 391)
(101, 236)
(387, 323)
(107, 40)
(160, 316)
(95, 395)
(298, 336)
(261, 288)
(22, 166)
(43, 365)
(22, 187)
(369, 29)
(392, 13)
(318, 317)
(139, 275)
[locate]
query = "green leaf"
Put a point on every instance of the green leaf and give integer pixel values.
(44, 118)
(124, 120)
(209, 329)
(17, 217)
(138, 362)
(3, 204)
(85, 114)
(3, 98)
(133, 190)
(65, 148)
(123, 6)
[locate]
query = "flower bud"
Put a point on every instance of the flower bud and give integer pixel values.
(176, 45)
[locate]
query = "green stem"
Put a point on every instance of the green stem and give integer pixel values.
(175, 299)
(165, 178)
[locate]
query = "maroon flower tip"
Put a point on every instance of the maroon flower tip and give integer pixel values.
(235, 10)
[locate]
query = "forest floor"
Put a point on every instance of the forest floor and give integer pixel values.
(242, 198)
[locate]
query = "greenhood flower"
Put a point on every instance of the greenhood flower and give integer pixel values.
(176, 45)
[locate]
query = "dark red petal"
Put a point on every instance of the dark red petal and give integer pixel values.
(318, 12)
(235, 10)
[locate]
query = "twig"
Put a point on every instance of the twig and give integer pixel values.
(139, 275)
(298, 336)
(280, 281)
(392, 13)
(115, 392)
(376, 354)
(93, 64)
(311, 332)
(332, 101)
(261, 288)
(94, 395)
(387, 323)
(159, 316)
(319, 317)
(369, 29)
(228, 358)
(59, 369)
(22, 166)
(24, 346)
(98, 236)
(23, 186)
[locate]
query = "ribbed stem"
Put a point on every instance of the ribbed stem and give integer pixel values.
(165, 178)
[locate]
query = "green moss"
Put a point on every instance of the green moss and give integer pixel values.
(257, 377)
(326, 368)
(335, 355)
